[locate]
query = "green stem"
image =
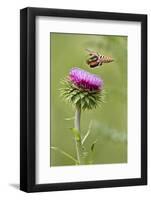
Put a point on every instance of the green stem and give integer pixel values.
(77, 118)
(79, 148)
(65, 154)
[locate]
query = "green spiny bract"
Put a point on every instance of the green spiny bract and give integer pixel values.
(80, 97)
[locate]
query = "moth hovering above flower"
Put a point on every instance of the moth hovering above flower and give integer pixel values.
(97, 59)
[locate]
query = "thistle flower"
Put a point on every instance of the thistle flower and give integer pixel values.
(84, 80)
(83, 89)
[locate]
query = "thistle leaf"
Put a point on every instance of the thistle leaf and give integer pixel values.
(88, 132)
(69, 118)
(76, 134)
(93, 145)
(65, 154)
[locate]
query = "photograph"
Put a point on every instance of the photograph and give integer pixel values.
(88, 99)
(83, 119)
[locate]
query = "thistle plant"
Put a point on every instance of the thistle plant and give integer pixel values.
(84, 91)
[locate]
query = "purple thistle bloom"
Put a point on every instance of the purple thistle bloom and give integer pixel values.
(85, 80)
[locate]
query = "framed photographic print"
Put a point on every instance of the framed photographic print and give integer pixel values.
(83, 99)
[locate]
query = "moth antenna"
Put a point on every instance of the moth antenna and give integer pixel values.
(92, 52)
(88, 50)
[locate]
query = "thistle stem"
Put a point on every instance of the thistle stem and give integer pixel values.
(78, 143)
(77, 118)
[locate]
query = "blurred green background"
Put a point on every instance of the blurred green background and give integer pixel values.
(109, 122)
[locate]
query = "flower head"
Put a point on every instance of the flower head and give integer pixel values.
(83, 89)
(85, 80)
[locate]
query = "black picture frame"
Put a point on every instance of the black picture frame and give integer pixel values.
(28, 99)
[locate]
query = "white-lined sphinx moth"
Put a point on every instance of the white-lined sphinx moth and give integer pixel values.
(97, 59)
